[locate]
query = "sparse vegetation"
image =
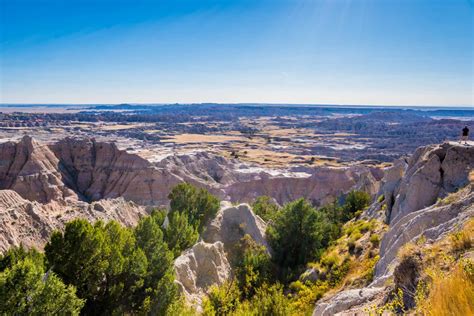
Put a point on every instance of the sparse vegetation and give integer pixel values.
(375, 240)
(265, 208)
(222, 300)
(298, 235)
(197, 204)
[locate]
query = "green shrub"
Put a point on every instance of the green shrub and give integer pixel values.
(198, 204)
(25, 289)
(381, 198)
(179, 234)
(269, 300)
(355, 201)
(221, 300)
(254, 266)
(116, 269)
(265, 208)
(375, 240)
(298, 235)
(337, 273)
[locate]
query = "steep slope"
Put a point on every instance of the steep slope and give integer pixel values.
(431, 172)
(426, 198)
(31, 223)
(210, 261)
(83, 169)
(32, 170)
(99, 170)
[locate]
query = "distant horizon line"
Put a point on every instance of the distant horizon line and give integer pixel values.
(10, 104)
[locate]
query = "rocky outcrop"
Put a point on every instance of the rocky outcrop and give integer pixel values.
(320, 185)
(99, 170)
(210, 261)
(32, 170)
(432, 222)
(429, 195)
(431, 172)
(200, 267)
(83, 169)
(346, 300)
(231, 224)
(31, 223)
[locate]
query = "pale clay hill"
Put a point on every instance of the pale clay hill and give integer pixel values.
(83, 169)
(45, 186)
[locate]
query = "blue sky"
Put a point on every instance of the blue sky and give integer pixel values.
(409, 52)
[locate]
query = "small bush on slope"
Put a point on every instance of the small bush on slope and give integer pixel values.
(265, 208)
(298, 235)
(254, 267)
(198, 204)
(222, 300)
(269, 300)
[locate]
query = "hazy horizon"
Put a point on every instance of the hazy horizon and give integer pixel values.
(370, 53)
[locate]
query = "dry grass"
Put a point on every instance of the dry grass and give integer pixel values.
(463, 239)
(117, 127)
(447, 287)
(199, 138)
(451, 294)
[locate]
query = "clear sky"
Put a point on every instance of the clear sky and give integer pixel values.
(409, 52)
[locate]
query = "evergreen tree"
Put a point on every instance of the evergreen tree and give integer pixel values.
(179, 234)
(26, 290)
(198, 204)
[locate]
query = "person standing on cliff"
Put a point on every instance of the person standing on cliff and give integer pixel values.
(465, 135)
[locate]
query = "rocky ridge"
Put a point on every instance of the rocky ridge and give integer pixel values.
(427, 196)
(86, 170)
(210, 260)
(31, 223)
(79, 174)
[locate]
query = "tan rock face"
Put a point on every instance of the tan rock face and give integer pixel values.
(100, 170)
(88, 170)
(210, 261)
(231, 224)
(432, 172)
(200, 267)
(32, 170)
(31, 223)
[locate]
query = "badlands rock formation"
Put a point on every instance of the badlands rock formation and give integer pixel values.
(72, 173)
(31, 223)
(89, 171)
(31, 169)
(232, 223)
(412, 191)
(432, 172)
(200, 267)
(209, 261)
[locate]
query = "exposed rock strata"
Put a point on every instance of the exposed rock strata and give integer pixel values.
(414, 192)
(232, 223)
(431, 172)
(31, 223)
(32, 170)
(88, 170)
